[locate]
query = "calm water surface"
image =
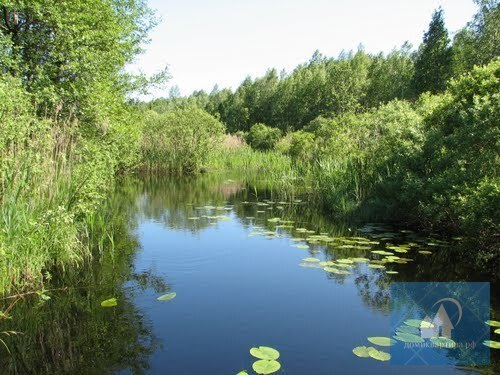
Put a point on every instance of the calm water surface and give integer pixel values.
(239, 284)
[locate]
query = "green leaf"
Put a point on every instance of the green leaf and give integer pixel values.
(109, 302)
(408, 337)
(345, 261)
(265, 366)
(443, 342)
(301, 246)
(375, 266)
(244, 372)
(336, 271)
(413, 322)
(379, 355)
(265, 352)
(492, 344)
(497, 331)
(311, 259)
(361, 351)
(382, 341)
(167, 297)
(493, 323)
(407, 329)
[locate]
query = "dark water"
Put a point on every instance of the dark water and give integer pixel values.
(237, 287)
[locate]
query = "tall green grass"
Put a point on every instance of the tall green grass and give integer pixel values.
(52, 183)
(276, 171)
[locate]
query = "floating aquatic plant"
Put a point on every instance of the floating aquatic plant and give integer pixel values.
(361, 351)
(382, 341)
(265, 352)
(167, 297)
(492, 344)
(408, 337)
(112, 302)
(493, 323)
(443, 342)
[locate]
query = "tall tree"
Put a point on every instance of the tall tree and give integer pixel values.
(433, 61)
(479, 42)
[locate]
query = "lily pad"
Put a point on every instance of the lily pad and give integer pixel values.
(265, 352)
(382, 341)
(379, 355)
(493, 323)
(407, 329)
(167, 297)
(443, 342)
(497, 331)
(345, 261)
(414, 322)
(408, 337)
(425, 324)
(336, 271)
(310, 265)
(425, 252)
(375, 266)
(274, 220)
(265, 366)
(311, 259)
(343, 265)
(300, 246)
(361, 351)
(244, 372)
(492, 344)
(109, 303)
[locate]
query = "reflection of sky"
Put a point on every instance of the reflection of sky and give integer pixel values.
(235, 292)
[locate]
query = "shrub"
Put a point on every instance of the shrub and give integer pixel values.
(180, 140)
(457, 166)
(302, 146)
(262, 137)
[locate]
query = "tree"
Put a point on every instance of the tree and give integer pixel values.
(72, 52)
(479, 42)
(433, 62)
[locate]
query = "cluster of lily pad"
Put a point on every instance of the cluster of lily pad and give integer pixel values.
(266, 360)
(371, 352)
(213, 218)
(389, 254)
(112, 302)
(492, 343)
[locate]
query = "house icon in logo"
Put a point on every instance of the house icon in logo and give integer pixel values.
(440, 326)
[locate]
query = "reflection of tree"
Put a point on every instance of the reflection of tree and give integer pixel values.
(71, 333)
(373, 288)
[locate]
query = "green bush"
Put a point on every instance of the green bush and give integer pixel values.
(457, 167)
(302, 146)
(180, 140)
(262, 137)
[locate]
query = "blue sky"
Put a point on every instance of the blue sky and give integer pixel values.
(205, 42)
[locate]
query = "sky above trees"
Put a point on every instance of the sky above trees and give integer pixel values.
(222, 41)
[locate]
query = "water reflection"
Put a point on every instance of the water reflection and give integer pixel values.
(72, 333)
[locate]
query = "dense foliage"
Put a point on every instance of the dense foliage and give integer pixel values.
(262, 137)
(180, 140)
(66, 127)
(411, 136)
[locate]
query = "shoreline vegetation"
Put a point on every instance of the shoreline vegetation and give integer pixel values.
(409, 137)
